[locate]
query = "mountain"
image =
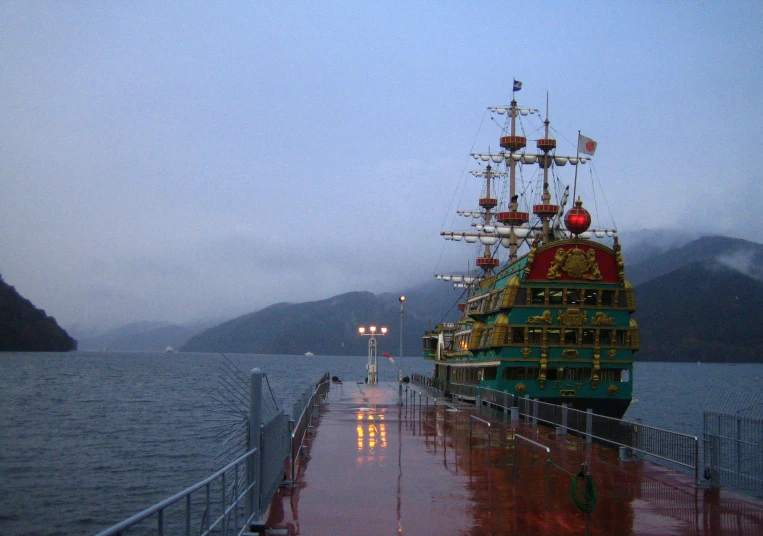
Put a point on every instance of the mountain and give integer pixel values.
(703, 311)
(327, 327)
(143, 337)
(742, 255)
(642, 245)
(25, 328)
(697, 300)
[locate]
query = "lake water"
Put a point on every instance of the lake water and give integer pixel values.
(89, 438)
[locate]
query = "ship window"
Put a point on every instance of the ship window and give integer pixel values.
(553, 336)
(574, 373)
(609, 375)
(486, 336)
(587, 337)
(570, 336)
(490, 373)
(608, 298)
(521, 373)
(555, 296)
(605, 337)
(622, 299)
(591, 296)
(536, 334)
(620, 337)
(521, 297)
(573, 296)
(538, 295)
(518, 335)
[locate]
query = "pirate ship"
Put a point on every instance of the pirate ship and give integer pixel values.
(546, 313)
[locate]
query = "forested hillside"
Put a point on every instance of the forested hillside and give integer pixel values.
(24, 328)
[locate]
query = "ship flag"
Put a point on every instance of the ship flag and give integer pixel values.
(586, 145)
(389, 357)
(517, 85)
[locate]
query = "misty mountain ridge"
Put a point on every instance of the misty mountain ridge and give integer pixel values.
(146, 336)
(323, 327)
(703, 311)
(738, 254)
(329, 326)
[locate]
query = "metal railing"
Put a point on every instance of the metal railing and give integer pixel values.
(733, 441)
(665, 447)
(234, 499)
(302, 415)
(190, 513)
(585, 500)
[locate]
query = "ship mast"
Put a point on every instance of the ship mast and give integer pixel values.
(487, 262)
(513, 217)
(545, 211)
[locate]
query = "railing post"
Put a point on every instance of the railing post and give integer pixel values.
(292, 458)
(562, 430)
(255, 432)
(589, 425)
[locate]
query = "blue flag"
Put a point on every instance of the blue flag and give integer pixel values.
(517, 85)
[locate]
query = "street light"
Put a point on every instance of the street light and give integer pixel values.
(402, 300)
(372, 376)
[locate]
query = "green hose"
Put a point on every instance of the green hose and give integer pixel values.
(588, 503)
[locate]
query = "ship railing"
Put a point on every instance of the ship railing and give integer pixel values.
(234, 499)
(674, 449)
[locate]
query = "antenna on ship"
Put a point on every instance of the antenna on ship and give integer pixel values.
(575, 184)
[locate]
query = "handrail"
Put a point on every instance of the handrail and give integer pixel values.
(544, 447)
(685, 452)
(160, 506)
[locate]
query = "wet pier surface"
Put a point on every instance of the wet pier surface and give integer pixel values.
(374, 466)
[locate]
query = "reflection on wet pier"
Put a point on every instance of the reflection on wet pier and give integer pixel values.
(379, 464)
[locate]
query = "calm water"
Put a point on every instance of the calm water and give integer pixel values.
(89, 439)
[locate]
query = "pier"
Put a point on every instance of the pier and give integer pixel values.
(396, 459)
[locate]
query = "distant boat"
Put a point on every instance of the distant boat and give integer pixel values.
(169, 350)
(309, 353)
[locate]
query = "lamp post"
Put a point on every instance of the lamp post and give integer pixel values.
(402, 301)
(372, 375)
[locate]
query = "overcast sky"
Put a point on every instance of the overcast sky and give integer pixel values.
(189, 160)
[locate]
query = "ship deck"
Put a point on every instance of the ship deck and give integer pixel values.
(376, 467)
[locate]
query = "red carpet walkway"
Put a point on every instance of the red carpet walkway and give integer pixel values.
(378, 468)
